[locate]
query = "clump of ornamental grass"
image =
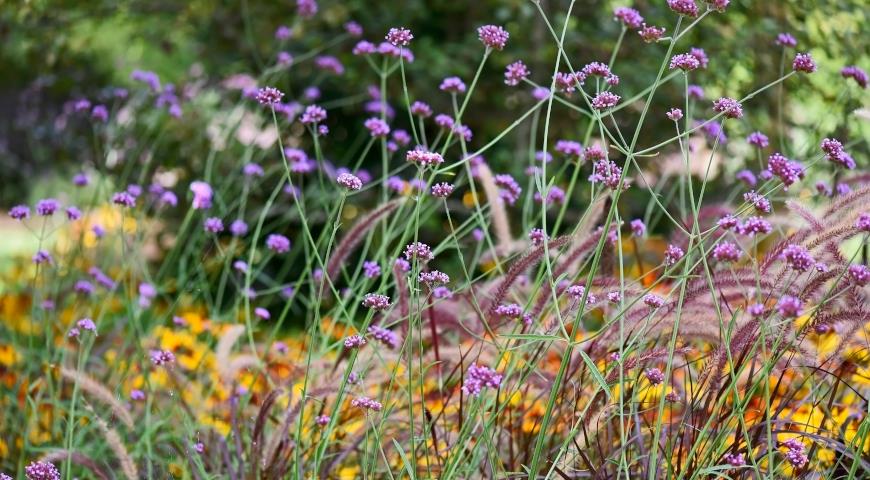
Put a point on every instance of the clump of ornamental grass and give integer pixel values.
(407, 305)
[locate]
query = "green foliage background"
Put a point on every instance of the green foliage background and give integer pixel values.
(55, 50)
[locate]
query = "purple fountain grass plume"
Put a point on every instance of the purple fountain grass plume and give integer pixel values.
(498, 213)
(570, 259)
(402, 293)
(354, 236)
(521, 265)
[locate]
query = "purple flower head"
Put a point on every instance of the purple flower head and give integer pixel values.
(349, 181)
(41, 471)
(803, 62)
(654, 375)
(651, 33)
(675, 114)
(863, 222)
(283, 32)
(701, 55)
(330, 64)
(149, 78)
(843, 188)
(313, 114)
(479, 377)
(82, 105)
(569, 148)
(684, 7)
(554, 195)
(73, 213)
(758, 139)
(371, 269)
(756, 309)
(577, 291)
(753, 226)
(202, 195)
(856, 73)
(421, 109)
(278, 243)
(377, 127)
(19, 212)
(84, 287)
(511, 310)
(540, 93)
(366, 403)
(161, 357)
(100, 113)
(638, 228)
(729, 106)
(685, 62)
(606, 172)
(88, 325)
(306, 8)
(238, 228)
(493, 36)
(353, 28)
(262, 313)
(168, 198)
(240, 266)
(424, 158)
(364, 47)
(80, 179)
(269, 96)
(673, 254)
(252, 170)
(442, 190)
(433, 278)
(605, 100)
(137, 395)
(419, 251)
(653, 301)
(789, 306)
(797, 257)
(42, 256)
(399, 36)
(786, 40)
(47, 206)
(696, 92)
(834, 152)
(322, 420)
(376, 301)
(509, 189)
(859, 274)
(718, 5)
(747, 177)
(758, 201)
(213, 225)
(787, 170)
(795, 454)
(452, 85)
(385, 336)
(515, 72)
(629, 17)
(734, 460)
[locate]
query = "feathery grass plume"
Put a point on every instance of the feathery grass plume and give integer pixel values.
(128, 466)
(224, 348)
(256, 448)
(78, 458)
(522, 264)
(100, 393)
(356, 235)
(497, 211)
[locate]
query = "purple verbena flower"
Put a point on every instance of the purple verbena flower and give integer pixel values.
(385, 336)
(653, 301)
(675, 114)
(629, 17)
(41, 471)
(479, 377)
(726, 252)
(376, 301)
(758, 139)
(786, 40)
(161, 357)
(269, 96)
(673, 254)
(442, 190)
(278, 243)
(859, 274)
(856, 73)
(238, 228)
(493, 36)
(605, 100)
(729, 106)
(789, 306)
(758, 201)
(213, 225)
(654, 376)
(419, 251)
(349, 181)
(371, 269)
(19, 212)
(684, 7)
(803, 62)
(399, 36)
(685, 62)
